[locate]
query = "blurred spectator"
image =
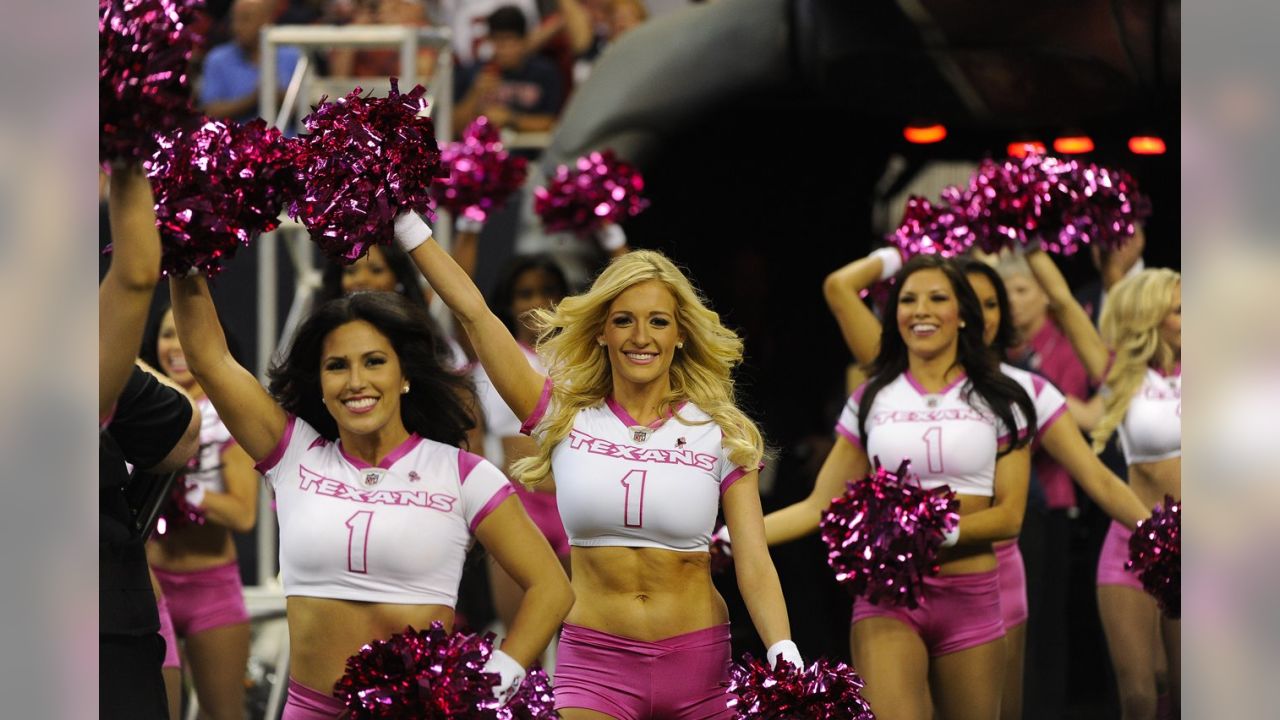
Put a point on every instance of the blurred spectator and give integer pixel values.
(383, 63)
(593, 24)
(469, 21)
(229, 88)
(517, 90)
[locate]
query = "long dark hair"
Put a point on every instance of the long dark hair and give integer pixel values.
(1004, 331)
(435, 407)
(999, 392)
(151, 337)
(407, 283)
(503, 293)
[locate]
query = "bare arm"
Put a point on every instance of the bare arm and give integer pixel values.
(1074, 320)
(124, 297)
(860, 328)
(1086, 413)
(578, 24)
(1003, 520)
(845, 462)
(515, 542)
(237, 508)
(757, 576)
(252, 415)
(189, 444)
(233, 108)
(516, 381)
(1065, 444)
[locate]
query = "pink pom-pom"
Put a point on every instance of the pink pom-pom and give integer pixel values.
(823, 691)
(721, 553)
(364, 160)
(144, 50)
(928, 229)
(1155, 554)
(1102, 207)
(433, 675)
(177, 512)
(884, 533)
(481, 173)
(216, 188)
(600, 189)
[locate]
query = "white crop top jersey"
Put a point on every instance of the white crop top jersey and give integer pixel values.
(214, 439)
(1152, 426)
(659, 487)
(1049, 401)
(396, 533)
(947, 440)
(499, 421)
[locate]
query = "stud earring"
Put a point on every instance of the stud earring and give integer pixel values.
(963, 325)
(679, 346)
(405, 390)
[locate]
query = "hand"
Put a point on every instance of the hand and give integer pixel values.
(411, 230)
(501, 116)
(509, 672)
(784, 650)
(487, 81)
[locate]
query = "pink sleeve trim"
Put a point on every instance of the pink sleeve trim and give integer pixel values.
(1037, 384)
(499, 495)
(271, 460)
(466, 463)
(1044, 424)
(850, 435)
(1004, 439)
(737, 475)
(539, 410)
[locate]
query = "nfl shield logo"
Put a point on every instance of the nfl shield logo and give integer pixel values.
(639, 434)
(372, 478)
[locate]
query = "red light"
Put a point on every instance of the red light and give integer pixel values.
(1073, 144)
(1022, 148)
(1146, 145)
(924, 134)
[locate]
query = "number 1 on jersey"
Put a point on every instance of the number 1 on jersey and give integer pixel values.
(634, 516)
(358, 541)
(933, 446)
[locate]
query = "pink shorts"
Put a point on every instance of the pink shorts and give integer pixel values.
(166, 631)
(958, 612)
(303, 703)
(544, 513)
(203, 599)
(1013, 584)
(678, 678)
(1115, 553)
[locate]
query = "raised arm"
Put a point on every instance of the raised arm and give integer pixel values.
(1065, 444)
(1074, 320)
(249, 412)
(845, 462)
(842, 288)
(1003, 520)
(757, 577)
(124, 297)
(515, 380)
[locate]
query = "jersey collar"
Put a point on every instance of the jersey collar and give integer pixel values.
(911, 380)
(622, 414)
(400, 451)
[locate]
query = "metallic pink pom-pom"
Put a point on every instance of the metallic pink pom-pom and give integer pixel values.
(931, 230)
(1155, 554)
(481, 173)
(363, 161)
(216, 188)
(823, 691)
(884, 533)
(721, 554)
(144, 49)
(1101, 207)
(600, 189)
(433, 675)
(177, 512)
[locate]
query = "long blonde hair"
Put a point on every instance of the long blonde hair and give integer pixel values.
(1130, 325)
(701, 372)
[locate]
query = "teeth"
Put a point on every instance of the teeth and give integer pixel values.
(360, 404)
(924, 327)
(641, 356)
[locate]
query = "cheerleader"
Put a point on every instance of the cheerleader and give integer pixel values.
(638, 424)
(1137, 360)
(1056, 433)
(937, 397)
(194, 564)
(377, 505)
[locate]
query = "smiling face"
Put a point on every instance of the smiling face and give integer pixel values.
(371, 272)
(361, 380)
(990, 303)
(1028, 303)
(640, 333)
(928, 314)
(169, 353)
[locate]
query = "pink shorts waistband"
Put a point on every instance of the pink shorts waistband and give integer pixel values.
(304, 703)
(698, 638)
(216, 575)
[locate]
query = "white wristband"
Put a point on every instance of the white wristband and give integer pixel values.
(784, 650)
(195, 495)
(411, 230)
(469, 225)
(951, 537)
(611, 237)
(890, 261)
(723, 536)
(510, 673)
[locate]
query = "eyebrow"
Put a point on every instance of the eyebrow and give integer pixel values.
(365, 354)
